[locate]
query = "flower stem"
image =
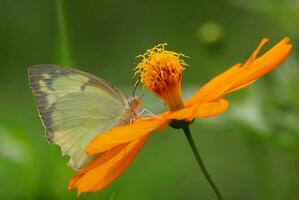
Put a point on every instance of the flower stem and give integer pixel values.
(200, 162)
(63, 48)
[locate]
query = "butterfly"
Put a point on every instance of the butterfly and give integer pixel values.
(76, 106)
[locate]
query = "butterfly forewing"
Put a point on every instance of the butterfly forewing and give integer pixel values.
(75, 107)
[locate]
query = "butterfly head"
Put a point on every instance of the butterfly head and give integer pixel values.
(135, 102)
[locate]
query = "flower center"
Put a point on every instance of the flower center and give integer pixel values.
(161, 72)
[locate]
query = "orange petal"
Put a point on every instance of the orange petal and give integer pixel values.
(263, 65)
(124, 134)
(238, 77)
(216, 87)
(99, 160)
(100, 175)
(200, 110)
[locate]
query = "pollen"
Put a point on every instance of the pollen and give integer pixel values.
(161, 72)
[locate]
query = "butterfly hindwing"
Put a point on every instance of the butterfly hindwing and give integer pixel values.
(75, 106)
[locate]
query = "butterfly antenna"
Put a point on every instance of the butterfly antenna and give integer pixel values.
(135, 86)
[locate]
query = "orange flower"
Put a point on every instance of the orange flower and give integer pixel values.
(161, 72)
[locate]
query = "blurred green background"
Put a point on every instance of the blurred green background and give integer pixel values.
(251, 151)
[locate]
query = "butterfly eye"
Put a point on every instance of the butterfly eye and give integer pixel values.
(137, 102)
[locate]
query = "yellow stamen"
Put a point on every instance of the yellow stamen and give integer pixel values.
(161, 72)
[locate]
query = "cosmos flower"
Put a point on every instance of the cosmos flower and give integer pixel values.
(161, 73)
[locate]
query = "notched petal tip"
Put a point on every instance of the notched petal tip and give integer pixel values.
(253, 56)
(238, 77)
(285, 40)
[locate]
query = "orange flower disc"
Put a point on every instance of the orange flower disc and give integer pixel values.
(161, 72)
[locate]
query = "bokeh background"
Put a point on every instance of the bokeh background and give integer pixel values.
(251, 151)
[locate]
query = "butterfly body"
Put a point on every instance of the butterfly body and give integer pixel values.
(76, 106)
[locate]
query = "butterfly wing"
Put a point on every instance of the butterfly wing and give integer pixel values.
(75, 107)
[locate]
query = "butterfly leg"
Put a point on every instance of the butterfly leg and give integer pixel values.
(146, 113)
(131, 121)
(125, 122)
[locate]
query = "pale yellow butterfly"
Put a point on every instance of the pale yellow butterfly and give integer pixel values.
(76, 106)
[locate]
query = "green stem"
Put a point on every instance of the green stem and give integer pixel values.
(63, 51)
(200, 162)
